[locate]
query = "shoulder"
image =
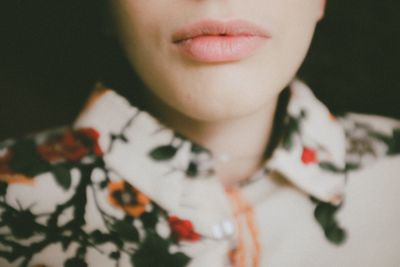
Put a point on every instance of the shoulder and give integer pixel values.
(372, 157)
(370, 209)
(36, 177)
(376, 122)
(370, 139)
(52, 151)
(61, 206)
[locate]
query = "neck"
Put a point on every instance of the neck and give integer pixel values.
(243, 139)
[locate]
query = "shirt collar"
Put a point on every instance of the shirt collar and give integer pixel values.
(312, 150)
(177, 173)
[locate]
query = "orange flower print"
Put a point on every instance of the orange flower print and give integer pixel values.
(233, 256)
(124, 196)
(71, 145)
(9, 176)
(332, 117)
(309, 156)
(182, 229)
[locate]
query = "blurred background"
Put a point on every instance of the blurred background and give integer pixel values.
(52, 52)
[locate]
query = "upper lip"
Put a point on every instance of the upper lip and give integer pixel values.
(214, 27)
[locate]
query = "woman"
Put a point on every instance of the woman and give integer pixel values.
(232, 161)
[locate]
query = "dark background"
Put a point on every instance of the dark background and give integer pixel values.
(52, 52)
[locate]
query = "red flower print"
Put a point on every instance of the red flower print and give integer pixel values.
(182, 229)
(124, 196)
(94, 136)
(71, 145)
(309, 156)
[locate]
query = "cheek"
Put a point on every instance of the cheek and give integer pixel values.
(295, 22)
(138, 22)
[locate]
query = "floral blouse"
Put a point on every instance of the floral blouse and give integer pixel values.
(118, 188)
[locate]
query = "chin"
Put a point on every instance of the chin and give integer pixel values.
(205, 112)
(219, 92)
(217, 105)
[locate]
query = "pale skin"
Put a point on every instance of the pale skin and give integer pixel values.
(227, 107)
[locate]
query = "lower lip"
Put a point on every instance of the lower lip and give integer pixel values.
(215, 49)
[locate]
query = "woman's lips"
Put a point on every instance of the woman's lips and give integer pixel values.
(213, 41)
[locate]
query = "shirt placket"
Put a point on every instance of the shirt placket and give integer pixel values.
(247, 249)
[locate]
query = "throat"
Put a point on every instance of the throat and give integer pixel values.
(237, 171)
(245, 140)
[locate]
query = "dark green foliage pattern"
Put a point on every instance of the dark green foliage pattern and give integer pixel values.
(22, 223)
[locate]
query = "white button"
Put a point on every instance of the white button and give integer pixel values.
(228, 227)
(223, 229)
(217, 231)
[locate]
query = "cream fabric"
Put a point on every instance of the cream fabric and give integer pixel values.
(279, 194)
